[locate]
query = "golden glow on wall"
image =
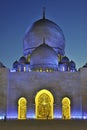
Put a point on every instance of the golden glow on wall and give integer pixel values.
(66, 110)
(44, 104)
(28, 58)
(22, 108)
(41, 70)
(47, 70)
(51, 70)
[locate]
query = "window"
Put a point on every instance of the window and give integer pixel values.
(22, 108)
(66, 114)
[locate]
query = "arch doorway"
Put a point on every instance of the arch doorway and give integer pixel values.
(44, 104)
(66, 109)
(22, 108)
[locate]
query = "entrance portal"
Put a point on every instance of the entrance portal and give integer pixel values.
(44, 105)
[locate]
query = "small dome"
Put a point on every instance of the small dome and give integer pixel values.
(50, 31)
(15, 64)
(44, 57)
(65, 60)
(85, 66)
(72, 64)
(22, 60)
(1, 65)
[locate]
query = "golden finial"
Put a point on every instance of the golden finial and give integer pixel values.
(43, 40)
(43, 12)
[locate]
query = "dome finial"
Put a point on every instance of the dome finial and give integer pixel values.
(43, 12)
(43, 40)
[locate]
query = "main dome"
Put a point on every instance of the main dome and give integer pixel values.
(47, 29)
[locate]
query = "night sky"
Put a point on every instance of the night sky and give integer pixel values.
(17, 15)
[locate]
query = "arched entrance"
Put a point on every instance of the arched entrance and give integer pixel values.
(22, 108)
(44, 104)
(66, 109)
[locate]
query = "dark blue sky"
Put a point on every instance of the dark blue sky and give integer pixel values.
(17, 15)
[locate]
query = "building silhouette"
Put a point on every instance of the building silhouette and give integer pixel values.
(44, 83)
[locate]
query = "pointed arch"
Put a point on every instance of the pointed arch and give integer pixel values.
(44, 104)
(22, 108)
(66, 109)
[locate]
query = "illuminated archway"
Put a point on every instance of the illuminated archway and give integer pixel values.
(66, 109)
(22, 108)
(44, 105)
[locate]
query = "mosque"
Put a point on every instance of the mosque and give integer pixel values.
(44, 83)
